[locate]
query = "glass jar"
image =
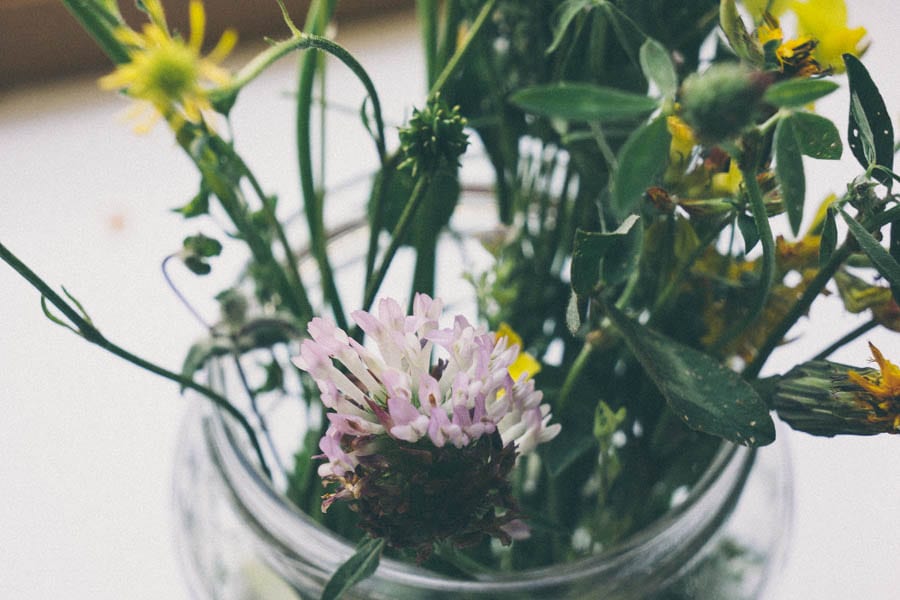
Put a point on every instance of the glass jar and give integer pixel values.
(239, 538)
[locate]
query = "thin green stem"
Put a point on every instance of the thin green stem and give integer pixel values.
(658, 312)
(184, 301)
(397, 236)
(747, 165)
(463, 48)
(319, 14)
(813, 289)
(427, 14)
(101, 24)
(93, 335)
(376, 208)
(574, 373)
(228, 192)
(304, 41)
(846, 339)
(293, 268)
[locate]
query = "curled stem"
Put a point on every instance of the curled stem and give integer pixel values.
(90, 333)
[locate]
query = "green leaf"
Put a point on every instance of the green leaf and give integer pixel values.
(736, 33)
(582, 102)
(817, 137)
(749, 231)
(589, 249)
(642, 158)
(561, 452)
(707, 396)
(829, 238)
(202, 245)
(798, 92)
(567, 11)
(359, 566)
(658, 68)
(882, 260)
(870, 132)
(789, 171)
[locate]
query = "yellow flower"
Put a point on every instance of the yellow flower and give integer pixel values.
(883, 387)
(826, 22)
(524, 363)
(167, 74)
(727, 183)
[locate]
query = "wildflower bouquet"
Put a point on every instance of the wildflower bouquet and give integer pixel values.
(633, 291)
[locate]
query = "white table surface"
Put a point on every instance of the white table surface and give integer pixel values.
(87, 441)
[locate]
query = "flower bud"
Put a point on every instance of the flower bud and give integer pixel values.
(719, 103)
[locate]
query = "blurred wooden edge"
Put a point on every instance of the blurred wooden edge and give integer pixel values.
(40, 40)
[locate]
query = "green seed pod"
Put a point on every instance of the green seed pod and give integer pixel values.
(719, 103)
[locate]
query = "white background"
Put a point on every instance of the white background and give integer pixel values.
(87, 442)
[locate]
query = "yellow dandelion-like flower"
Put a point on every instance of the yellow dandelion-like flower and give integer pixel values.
(886, 386)
(826, 22)
(167, 75)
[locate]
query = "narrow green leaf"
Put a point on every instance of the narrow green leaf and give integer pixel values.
(869, 114)
(828, 241)
(641, 160)
(359, 566)
(789, 171)
(860, 134)
(589, 249)
(706, 395)
(817, 137)
(736, 33)
(658, 68)
(565, 13)
(798, 92)
(582, 102)
(882, 260)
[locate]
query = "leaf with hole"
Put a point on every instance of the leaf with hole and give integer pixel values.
(706, 395)
(817, 137)
(870, 131)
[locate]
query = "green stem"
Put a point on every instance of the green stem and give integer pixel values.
(846, 339)
(101, 24)
(574, 373)
(228, 193)
(376, 208)
(293, 270)
(460, 53)
(427, 13)
(747, 165)
(815, 287)
(304, 41)
(400, 231)
(93, 335)
(658, 311)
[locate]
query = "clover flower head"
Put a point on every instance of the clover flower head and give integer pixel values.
(166, 74)
(420, 446)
